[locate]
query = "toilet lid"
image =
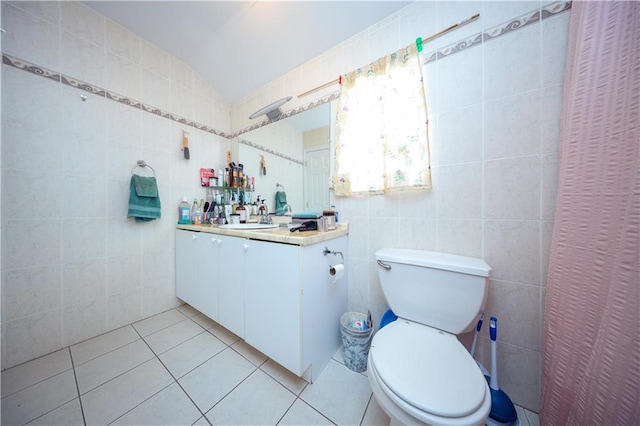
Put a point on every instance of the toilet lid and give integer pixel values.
(428, 369)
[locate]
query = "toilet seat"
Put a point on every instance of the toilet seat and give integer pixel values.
(427, 370)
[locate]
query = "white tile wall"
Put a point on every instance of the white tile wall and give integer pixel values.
(74, 266)
(494, 114)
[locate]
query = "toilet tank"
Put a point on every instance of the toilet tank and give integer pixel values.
(440, 290)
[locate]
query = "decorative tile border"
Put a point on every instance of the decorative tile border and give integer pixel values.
(83, 86)
(523, 21)
(99, 91)
(477, 39)
(269, 150)
(26, 66)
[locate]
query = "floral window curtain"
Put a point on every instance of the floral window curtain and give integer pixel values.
(381, 130)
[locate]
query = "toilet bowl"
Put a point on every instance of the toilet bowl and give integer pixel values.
(420, 375)
(418, 370)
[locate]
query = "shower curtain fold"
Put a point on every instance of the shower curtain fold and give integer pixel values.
(591, 342)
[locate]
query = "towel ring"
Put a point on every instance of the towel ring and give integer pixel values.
(279, 186)
(142, 164)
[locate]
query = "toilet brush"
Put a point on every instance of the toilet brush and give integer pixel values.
(503, 412)
(473, 345)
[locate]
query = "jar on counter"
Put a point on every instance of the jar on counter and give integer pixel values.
(242, 212)
(331, 219)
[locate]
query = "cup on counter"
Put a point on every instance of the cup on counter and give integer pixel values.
(235, 219)
(323, 224)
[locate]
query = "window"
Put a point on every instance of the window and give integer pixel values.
(381, 129)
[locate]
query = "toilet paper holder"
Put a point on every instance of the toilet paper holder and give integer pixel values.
(326, 251)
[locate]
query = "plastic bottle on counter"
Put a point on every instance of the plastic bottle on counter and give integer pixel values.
(194, 210)
(199, 212)
(215, 215)
(335, 212)
(184, 213)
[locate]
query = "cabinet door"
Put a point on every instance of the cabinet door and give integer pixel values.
(187, 278)
(208, 265)
(231, 283)
(272, 302)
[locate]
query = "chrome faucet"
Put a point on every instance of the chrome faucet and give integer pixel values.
(287, 210)
(263, 211)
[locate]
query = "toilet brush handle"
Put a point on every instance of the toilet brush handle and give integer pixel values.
(493, 333)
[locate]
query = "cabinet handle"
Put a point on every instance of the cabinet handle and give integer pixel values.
(195, 237)
(219, 241)
(245, 247)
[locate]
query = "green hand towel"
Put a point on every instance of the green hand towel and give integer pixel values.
(144, 199)
(281, 201)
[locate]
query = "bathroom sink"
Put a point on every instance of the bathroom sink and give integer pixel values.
(249, 226)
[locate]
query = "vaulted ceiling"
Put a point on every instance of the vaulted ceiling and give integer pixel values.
(238, 46)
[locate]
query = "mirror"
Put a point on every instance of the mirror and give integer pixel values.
(296, 154)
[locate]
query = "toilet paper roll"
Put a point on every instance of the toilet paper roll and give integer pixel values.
(336, 272)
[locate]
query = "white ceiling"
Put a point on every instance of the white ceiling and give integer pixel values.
(238, 46)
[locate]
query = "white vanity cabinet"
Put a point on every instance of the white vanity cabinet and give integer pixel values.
(197, 256)
(272, 301)
(231, 270)
(277, 296)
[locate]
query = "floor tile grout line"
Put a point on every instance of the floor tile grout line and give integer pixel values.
(141, 402)
(238, 352)
(174, 346)
(34, 384)
(40, 381)
(125, 326)
(314, 409)
(286, 411)
(115, 377)
(163, 328)
(75, 376)
(95, 337)
(105, 354)
(64, 403)
(236, 387)
(366, 408)
(175, 380)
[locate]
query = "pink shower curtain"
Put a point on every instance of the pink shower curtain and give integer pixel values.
(591, 344)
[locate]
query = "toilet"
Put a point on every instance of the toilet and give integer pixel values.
(418, 370)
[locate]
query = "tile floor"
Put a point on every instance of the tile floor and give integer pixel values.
(181, 368)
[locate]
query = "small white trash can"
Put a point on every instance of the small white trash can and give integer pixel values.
(356, 341)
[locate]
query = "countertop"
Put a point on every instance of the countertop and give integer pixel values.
(276, 235)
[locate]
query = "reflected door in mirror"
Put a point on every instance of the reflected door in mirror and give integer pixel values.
(316, 179)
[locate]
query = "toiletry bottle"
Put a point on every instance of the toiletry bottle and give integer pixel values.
(199, 213)
(184, 213)
(194, 210)
(215, 215)
(242, 211)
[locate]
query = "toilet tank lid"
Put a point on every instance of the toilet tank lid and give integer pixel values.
(432, 259)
